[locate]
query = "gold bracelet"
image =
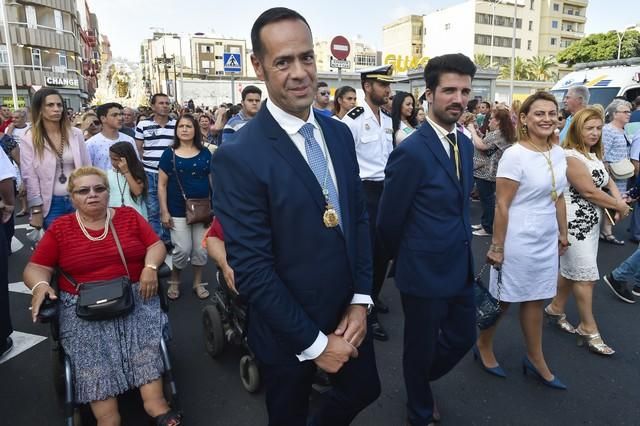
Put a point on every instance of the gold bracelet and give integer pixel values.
(496, 249)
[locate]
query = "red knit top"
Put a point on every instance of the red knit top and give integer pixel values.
(65, 246)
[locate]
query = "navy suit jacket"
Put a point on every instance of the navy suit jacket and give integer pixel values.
(424, 216)
(298, 275)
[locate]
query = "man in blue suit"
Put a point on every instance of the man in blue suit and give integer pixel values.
(424, 221)
(289, 198)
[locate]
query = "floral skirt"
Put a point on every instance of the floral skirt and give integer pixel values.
(112, 356)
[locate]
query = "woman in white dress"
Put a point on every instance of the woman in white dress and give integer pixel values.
(585, 199)
(530, 230)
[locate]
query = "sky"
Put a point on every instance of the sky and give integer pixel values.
(128, 22)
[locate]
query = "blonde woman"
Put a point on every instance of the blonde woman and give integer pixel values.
(585, 200)
(50, 150)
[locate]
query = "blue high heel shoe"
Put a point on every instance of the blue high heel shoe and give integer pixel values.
(528, 366)
(496, 371)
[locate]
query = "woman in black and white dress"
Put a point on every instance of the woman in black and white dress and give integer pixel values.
(587, 176)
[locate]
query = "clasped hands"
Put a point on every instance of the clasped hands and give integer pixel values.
(344, 341)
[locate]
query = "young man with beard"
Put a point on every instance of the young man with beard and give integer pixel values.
(290, 202)
(372, 130)
(424, 221)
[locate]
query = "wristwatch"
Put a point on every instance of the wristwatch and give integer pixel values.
(150, 266)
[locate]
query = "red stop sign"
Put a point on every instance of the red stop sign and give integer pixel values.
(340, 48)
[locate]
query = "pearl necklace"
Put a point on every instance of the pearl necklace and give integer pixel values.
(86, 233)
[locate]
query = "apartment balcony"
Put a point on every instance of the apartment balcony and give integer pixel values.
(19, 34)
(571, 33)
(575, 16)
(583, 3)
(68, 6)
(27, 76)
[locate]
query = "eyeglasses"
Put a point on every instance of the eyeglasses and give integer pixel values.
(96, 123)
(85, 190)
(325, 93)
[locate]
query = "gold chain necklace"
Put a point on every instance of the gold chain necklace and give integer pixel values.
(554, 193)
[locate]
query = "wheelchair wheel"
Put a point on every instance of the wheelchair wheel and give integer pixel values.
(249, 374)
(57, 370)
(213, 330)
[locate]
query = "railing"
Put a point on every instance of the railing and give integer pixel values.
(38, 26)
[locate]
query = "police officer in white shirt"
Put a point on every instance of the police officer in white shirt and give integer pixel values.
(372, 131)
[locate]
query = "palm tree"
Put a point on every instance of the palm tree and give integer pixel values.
(541, 67)
(521, 70)
(481, 60)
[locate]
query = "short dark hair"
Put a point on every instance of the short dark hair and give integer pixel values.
(452, 62)
(250, 89)
(275, 14)
(322, 84)
(155, 97)
(472, 104)
(103, 110)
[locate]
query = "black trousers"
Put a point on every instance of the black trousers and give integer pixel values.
(288, 388)
(437, 334)
(5, 248)
(373, 192)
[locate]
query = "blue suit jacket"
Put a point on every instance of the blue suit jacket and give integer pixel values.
(424, 216)
(298, 275)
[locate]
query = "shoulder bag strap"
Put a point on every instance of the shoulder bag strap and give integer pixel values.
(175, 170)
(115, 237)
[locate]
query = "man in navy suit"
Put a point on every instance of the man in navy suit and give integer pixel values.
(289, 198)
(424, 221)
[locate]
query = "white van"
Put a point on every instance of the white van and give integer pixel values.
(605, 80)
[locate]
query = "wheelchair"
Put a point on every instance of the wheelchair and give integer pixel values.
(224, 322)
(80, 414)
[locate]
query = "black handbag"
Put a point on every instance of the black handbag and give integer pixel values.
(487, 307)
(103, 300)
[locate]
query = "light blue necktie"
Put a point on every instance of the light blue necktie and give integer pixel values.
(319, 166)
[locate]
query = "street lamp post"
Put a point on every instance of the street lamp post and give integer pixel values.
(181, 84)
(494, 3)
(513, 51)
(12, 70)
(620, 37)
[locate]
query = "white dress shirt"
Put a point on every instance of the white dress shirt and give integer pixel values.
(442, 134)
(291, 125)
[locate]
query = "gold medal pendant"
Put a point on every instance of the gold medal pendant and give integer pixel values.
(554, 196)
(330, 217)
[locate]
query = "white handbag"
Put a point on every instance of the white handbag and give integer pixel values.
(622, 169)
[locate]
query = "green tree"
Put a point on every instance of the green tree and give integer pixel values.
(522, 70)
(481, 60)
(541, 67)
(600, 47)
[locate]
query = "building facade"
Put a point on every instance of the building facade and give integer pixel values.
(50, 47)
(402, 44)
(543, 28)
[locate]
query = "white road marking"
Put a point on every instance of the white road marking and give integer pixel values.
(21, 342)
(19, 287)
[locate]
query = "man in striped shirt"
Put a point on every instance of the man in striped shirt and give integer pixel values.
(251, 97)
(153, 136)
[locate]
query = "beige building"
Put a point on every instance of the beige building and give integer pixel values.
(402, 43)
(543, 28)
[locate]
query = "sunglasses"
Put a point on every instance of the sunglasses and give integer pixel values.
(85, 190)
(96, 123)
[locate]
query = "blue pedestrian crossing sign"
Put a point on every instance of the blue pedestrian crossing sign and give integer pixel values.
(232, 62)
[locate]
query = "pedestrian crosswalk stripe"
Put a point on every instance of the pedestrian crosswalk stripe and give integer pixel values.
(21, 342)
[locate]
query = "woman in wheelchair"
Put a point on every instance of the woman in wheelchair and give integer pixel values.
(115, 253)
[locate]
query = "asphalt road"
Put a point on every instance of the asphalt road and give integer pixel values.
(602, 391)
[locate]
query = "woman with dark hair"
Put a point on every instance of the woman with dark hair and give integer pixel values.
(50, 150)
(129, 177)
(486, 157)
(529, 233)
(184, 173)
(403, 116)
(344, 101)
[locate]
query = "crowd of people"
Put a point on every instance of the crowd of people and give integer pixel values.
(306, 206)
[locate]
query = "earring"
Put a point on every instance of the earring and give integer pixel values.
(525, 129)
